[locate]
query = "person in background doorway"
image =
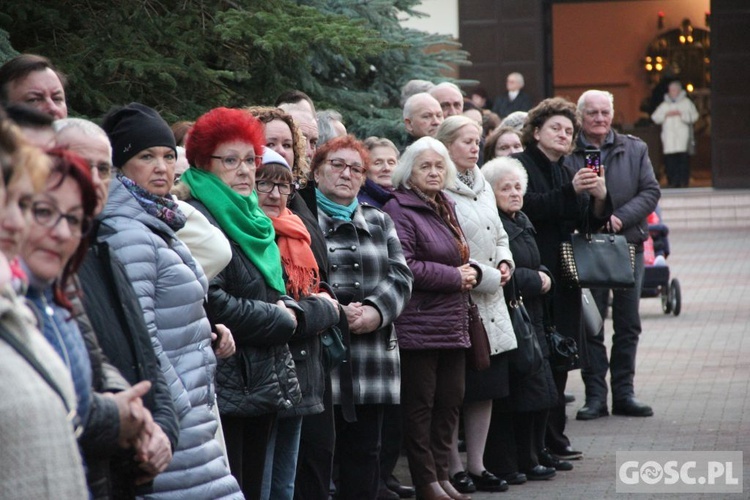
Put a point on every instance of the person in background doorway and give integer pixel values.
(676, 115)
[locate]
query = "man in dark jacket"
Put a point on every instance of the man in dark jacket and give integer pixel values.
(515, 99)
(634, 191)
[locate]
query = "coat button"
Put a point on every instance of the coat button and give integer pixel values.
(492, 320)
(488, 228)
(490, 259)
(357, 284)
(287, 403)
(304, 353)
(353, 247)
(356, 266)
(334, 267)
(335, 285)
(331, 249)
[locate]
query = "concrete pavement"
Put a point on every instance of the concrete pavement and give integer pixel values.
(694, 369)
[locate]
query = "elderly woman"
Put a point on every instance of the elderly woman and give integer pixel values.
(369, 275)
(488, 242)
(504, 141)
(433, 330)
(139, 223)
(383, 160)
(224, 148)
(557, 203)
(530, 396)
(274, 185)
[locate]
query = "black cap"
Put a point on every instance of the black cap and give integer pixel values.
(133, 128)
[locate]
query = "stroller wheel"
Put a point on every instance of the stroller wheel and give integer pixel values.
(675, 297)
(666, 299)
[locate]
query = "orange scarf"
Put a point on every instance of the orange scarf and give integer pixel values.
(303, 275)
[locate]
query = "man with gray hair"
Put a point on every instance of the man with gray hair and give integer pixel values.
(422, 117)
(450, 98)
(414, 87)
(515, 99)
(330, 125)
(634, 192)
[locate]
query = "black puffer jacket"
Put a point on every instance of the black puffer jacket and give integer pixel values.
(260, 377)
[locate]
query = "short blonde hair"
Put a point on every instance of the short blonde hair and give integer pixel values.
(447, 132)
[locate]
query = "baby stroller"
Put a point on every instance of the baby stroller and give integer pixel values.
(656, 276)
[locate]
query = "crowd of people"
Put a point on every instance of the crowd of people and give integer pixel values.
(257, 304)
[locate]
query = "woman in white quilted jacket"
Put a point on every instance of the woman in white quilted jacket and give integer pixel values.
(489, 247)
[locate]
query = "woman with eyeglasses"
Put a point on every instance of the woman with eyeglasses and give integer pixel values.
(224, 149)
(368, 272)
(138, 223)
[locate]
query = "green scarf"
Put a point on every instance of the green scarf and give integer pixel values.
(242, 220)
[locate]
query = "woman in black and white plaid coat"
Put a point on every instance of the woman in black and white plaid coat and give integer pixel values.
(369, 275)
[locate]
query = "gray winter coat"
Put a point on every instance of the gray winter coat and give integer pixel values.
(171, 287)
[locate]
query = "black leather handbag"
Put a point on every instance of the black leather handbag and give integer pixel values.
(600, 260)
(527, 358)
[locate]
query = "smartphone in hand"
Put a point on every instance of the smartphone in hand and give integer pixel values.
(593, 160)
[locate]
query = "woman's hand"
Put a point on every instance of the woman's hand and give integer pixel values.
(225, 347)
(505, 273)
(154, 452)
(468, 277)
(546, 282)
(368, 321)
(280, 304)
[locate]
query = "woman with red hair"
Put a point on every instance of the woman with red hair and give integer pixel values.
(368, 272)
(224, 148)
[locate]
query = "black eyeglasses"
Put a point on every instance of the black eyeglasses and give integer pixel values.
(232, 162)
(103, 168)
(267, 187)
(48, 215)
(340, 165)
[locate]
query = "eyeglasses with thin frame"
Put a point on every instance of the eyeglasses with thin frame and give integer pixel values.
(267, 187)
(340, 165)
(103, 168)
(232, 162)
(48, 215)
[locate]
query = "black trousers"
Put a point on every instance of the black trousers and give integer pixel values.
(391, 439)
(626, 322)
(247, 439)
(677, 166)
(315, 460)
(555, 438)
(358, 453)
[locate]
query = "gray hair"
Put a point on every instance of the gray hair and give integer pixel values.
(516, 120)
(414, 87)
(448, 130)
(412, 102)
(326, 132)
(402, 172)
(445, 85)
(497, 168)
(373, 142)
(519, 76)
(592, 92)
(87, 128)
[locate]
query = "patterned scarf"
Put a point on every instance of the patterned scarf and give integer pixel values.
(162, 207)
(442, 209)
(467, 177)
(303, 275)
(242, 220)
(333, 209)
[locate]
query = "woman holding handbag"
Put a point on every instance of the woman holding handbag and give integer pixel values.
(557, 204)
(532, 395)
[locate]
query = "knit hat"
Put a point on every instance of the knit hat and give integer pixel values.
(516, 120)
(271, 156)
(133, 128)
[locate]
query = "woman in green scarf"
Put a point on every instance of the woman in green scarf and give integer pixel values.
(224, 148)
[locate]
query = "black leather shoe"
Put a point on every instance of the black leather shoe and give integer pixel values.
(540, 473)
(385, 493)
(592, 410)
(487, 481)
(566, 453)
(514, 478)
(399, 489)
(631, 407)
(569, 398)
(546, 459)
(463, 483)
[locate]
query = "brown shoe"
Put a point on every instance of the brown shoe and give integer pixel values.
(431, 491)
(453, 492)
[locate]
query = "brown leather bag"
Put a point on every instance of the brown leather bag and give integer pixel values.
(478, 355)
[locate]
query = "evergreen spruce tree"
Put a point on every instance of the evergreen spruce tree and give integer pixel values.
(184, 57)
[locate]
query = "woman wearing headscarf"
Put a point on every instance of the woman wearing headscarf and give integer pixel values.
(139, 223)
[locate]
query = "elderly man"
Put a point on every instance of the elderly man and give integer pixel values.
(450, 98)
(515, 99)
(422, 116)
(33, 80)
(634, 191)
